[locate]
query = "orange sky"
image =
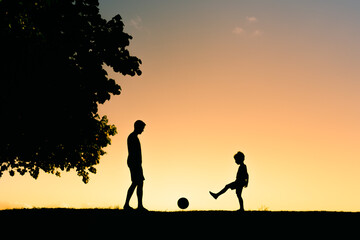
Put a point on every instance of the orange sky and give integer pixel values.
(277, 81)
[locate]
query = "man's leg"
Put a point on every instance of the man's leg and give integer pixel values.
(139, 192)
(129, 194)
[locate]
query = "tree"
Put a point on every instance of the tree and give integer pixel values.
(52, 80)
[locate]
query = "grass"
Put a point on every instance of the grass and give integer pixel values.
(107, 223)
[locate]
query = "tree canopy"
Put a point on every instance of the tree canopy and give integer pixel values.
(52, 80)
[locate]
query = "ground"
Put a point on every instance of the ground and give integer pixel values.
(107, 223)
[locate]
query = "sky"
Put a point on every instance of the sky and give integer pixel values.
(275, 79)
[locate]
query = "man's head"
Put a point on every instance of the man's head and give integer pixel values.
(139, 126)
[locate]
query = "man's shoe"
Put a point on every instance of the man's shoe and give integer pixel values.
(128, 208)
(142, 209)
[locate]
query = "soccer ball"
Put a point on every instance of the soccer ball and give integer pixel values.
(183, 203)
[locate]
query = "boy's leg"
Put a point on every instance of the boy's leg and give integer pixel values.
(241, 202)
(224, 190)
(216, 195)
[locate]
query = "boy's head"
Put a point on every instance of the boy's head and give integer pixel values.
(239, 157)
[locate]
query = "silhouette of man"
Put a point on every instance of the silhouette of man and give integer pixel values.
(134, 161)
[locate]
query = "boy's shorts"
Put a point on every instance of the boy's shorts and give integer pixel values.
(236, 185)
(233, 185)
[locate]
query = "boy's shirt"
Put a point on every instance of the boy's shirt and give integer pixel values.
(242, 175)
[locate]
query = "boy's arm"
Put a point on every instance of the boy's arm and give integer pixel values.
(247, 178)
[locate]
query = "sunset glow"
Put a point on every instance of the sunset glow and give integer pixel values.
(277, 80)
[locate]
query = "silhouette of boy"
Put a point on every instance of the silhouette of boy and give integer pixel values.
(134, 161)
(242, 180)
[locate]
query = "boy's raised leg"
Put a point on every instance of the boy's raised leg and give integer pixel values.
(216, 195)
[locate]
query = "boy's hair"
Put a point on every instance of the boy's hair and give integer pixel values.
(239, 156)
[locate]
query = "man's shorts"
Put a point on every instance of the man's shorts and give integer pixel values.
(137, 175)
